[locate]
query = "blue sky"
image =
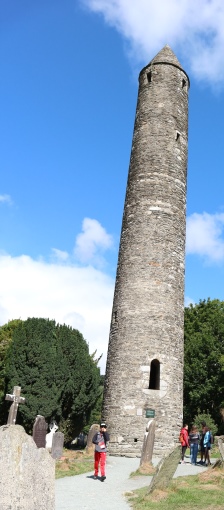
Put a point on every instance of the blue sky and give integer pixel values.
(68, 91)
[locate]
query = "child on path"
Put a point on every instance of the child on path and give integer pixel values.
(100, 439)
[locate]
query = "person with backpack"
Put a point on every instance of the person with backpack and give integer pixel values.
(184, 442)
(207, 445)
(100, 439)
(194, 438)
(202, 448)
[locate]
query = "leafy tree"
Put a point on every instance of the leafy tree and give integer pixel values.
(58, 377)
(204, 417)
(203, 360)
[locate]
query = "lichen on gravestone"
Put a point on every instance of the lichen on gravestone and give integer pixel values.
(92, 431)
(165, 470)
(148, 443)
(27, 473)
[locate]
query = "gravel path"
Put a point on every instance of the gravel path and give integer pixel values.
(82, 492)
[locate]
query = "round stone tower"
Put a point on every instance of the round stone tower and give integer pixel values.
(144, 373)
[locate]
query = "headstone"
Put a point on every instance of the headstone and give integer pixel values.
(148, 443)
(27, 473)
(165, 470)
(221, 448)
(219, 462)
(39, 431)
(82, 440)
(92, 431)
(16, 400)
(57, 445)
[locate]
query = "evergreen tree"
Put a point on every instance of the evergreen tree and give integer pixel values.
(58, 377)
(6, 332)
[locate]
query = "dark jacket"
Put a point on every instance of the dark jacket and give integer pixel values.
(194, 438)
(100, 439)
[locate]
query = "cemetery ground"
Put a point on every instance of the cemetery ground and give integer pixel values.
(201, 491)
(73, 462)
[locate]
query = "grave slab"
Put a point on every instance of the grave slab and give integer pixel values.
(27, 473)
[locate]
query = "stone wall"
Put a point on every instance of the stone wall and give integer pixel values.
(148, 308)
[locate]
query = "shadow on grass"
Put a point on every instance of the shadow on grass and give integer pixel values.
(203, 491)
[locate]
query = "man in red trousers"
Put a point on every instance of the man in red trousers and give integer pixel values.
(100, 439)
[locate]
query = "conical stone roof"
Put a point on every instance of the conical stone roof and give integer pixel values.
(166, 55)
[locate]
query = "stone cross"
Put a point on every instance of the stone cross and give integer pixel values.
(16, 400)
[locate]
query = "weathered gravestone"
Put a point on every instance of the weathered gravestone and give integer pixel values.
(27, 473)
(92, 431)
(57, 445)
(148, 443)
(219, 462)
(165, 470)
(39, 431)
(16, 399)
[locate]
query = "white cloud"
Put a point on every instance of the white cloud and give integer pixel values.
(77, 296)
(205, 236)
(92, 242)
(5, 199)
(59, 255)
(193, 28)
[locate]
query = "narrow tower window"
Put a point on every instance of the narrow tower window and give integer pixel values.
(154, 381)
(114, 317)
(177, 136)
(149, 76)
(184, 83)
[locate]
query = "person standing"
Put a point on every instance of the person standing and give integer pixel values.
(207, 446)
(202, 448)
(100, 439)
(184, 442)
(194, 438)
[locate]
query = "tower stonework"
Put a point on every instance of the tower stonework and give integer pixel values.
(144, 373)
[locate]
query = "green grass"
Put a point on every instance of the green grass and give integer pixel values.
(204, 491)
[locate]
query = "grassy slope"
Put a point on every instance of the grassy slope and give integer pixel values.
(204, 491)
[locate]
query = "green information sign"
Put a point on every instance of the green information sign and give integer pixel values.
(150, 413)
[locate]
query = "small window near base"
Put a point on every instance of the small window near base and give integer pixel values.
(154, 380)
(135, 439)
